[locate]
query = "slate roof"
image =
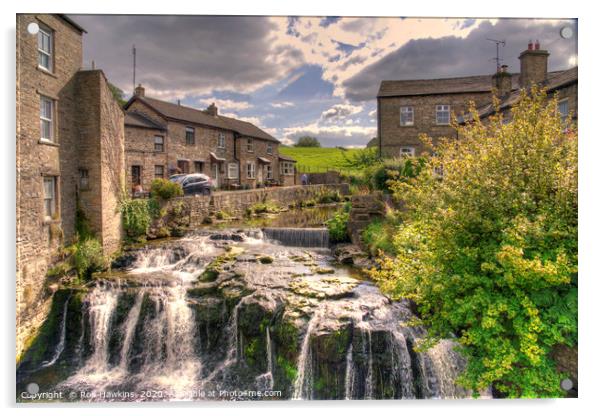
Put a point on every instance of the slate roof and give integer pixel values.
(475, 83)
(556, 80)
(135, 119)
(193, 115)
(72, 23)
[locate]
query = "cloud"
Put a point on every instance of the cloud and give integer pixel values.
(225, 104)
(339, 112)
(282, 104)
(331, 135)
(180, 56)
(451, 56)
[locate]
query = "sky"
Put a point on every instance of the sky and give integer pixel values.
(296, 76)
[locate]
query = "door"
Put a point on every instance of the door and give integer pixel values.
(260, 174)
(136, 175)
(183, 166)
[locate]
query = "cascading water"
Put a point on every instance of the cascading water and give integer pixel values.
(276, 325)
(298, 237)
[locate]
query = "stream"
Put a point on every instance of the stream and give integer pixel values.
(234, 314)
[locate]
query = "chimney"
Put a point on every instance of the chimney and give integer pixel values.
(533, 65)
(139, 91)
(502, 81)
(212, 110)
(179, 102)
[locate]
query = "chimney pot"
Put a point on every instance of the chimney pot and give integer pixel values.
(533, 65)
(530, 46)
(139, 91)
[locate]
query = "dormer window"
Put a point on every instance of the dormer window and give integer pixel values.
(45, 48)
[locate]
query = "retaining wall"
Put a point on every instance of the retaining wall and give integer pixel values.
(236, 203)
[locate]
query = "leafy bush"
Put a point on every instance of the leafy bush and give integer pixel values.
(362, 158)
(380, 176)
(488, 250)
(136, 217)
(165, 189)
(328, 196)
(337, 225)
(263, 207)
(379, 234)
(88, 258)
(307, 141)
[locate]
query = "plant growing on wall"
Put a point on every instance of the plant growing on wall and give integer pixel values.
(488, 248)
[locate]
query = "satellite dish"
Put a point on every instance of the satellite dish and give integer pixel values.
(33, 28)
(566, 32)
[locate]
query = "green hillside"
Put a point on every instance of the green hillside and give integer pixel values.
(320, 159)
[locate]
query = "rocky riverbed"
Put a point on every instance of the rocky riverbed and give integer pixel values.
(230, 314)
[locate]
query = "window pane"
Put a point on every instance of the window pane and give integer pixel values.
(45, 130)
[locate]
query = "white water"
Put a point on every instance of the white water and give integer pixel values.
(130, 327)
(349, 373)
(303, 386)
(63, 332)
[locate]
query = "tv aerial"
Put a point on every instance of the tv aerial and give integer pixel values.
(497, 59)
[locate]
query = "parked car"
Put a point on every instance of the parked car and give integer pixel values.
(178, 178)
(196, 183)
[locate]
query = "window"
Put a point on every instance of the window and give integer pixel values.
(84, 179)
(46, 119)
(198, 166)
(190, 135)
(286, 168)
(45, 45)
(232, 171)
(221, 141)
(159, 171)
(269, 172)
(406, 116)
(563, 109)
(159, 145)
(50, 201)
(250, 170)
(442, 114)
(270, 149)
(407, 152)
(249, 145)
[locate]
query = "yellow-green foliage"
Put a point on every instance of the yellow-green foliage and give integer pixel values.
(165, 189)
(488, 250)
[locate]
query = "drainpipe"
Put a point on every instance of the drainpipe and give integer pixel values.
(237, 160)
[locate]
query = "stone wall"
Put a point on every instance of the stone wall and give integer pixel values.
(394, 136)
(237, 202)
(364, 209)
(140, 151)
(331, 176)
(38, 238)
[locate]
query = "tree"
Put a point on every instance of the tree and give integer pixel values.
(117, 94)
(307, 141)
(488, 247)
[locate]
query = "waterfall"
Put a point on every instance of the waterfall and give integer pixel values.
(303, 385)
(60, 346)
(265, 381)
(130, 326)
(101, 304)
(349, 373)
(298, 237)
(368, 351)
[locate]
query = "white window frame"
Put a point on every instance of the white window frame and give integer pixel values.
(221, 141)
(251, 171)
(270, 149)
(269, 172)
(442, 109)
(45, 31)
(407, 151)
(562, 102)
(287, 168)
(232, 170)
(44, 119)
(249, 145)
(53, 207)
(406, 110)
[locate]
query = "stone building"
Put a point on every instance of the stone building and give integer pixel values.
(409, 108)
(69, 148)
(164, 138)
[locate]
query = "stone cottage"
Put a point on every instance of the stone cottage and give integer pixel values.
(163, 138)
(70, 135)
(409, 108)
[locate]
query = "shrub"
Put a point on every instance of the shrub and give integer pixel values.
(165, 189)
(307, 141)
(328, 196)
(88, 258)
(263, 207)
(337, 225)
(136, 217)
(378, 236)
(488, 249)
(381, 176)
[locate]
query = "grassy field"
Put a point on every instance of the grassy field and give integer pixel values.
(320, 159)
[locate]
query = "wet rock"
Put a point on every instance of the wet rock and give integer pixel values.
(228, 236)
(350, 254)
(266, 259)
